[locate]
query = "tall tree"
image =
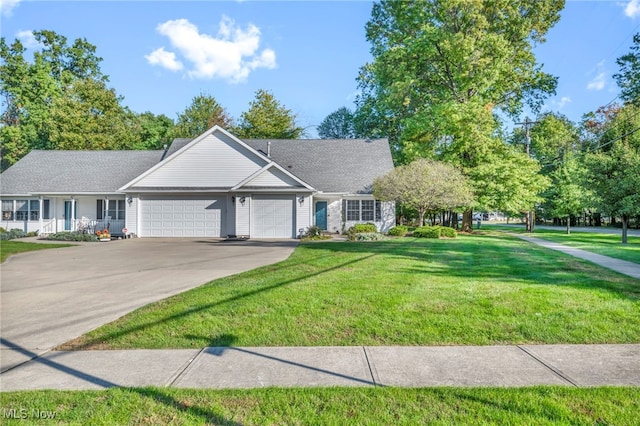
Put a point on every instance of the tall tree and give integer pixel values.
(203, 113)
(425, 185)
(268, 118)
(338, 125)
(628, 78)
(567, 195)
(56, 97)
(442, 68)
(155, 130)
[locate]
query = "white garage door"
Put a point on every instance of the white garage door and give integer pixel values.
(182, 217)
(272, 217)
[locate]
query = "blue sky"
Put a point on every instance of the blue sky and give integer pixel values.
(159, 55)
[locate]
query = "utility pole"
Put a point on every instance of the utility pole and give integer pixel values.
(527, 125)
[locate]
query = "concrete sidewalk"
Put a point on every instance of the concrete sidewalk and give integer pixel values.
(630, 269)
(407, 366)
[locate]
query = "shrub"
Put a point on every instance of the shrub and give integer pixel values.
(72, 236)
(448, 232)
(398, 231)
(369, 236)
(2, 229)
(435, 232)
(364, 227)
(315, 233)
(427, 232)
(12, 234)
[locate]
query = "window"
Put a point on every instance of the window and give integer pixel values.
(100, 210)
(34, 210)
(353, 209)
(367, 210)
(364, 210)
(7, 209)
(22, 210)
(116, 209)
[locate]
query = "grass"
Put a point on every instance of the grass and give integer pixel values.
(483, 289)
(275, 406)
(604, 244)
(10, 247)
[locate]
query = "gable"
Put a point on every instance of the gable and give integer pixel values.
(213, 160)
(272, 177)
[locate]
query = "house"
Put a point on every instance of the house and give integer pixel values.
(215, 185)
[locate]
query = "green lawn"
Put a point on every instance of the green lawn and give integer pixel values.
(7, 248)
(351, 406)
(487, 288)
(605, 244)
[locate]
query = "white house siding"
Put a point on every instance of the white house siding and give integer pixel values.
(132, 216)
(273, 178)
(210, 162)
(303, 213)
(243, 215)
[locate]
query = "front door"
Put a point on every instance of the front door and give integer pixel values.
(67, 215)
(321, 214)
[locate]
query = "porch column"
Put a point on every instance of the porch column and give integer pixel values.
(73, 214)
(106, 212)
(40, 220)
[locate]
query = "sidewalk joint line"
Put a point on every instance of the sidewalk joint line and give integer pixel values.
(553, 369)
(20, 364)
(182, 371)
(366, 357)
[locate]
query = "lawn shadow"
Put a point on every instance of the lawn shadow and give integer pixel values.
(510, 261)
(206, 415)
(81, 344)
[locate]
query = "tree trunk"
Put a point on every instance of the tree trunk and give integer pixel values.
(568, 225)
(597, 217)
(421, 214)
(467, 221)
(625, 223)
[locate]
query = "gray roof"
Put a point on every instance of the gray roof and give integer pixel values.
(75, 172)
(328, 165)
(331, 165)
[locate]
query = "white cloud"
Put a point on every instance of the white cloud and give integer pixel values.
(632, 9)
(564, 101)
(231, 55)
(7, 6)
(28, 40)
(599, 81)
(164, 59)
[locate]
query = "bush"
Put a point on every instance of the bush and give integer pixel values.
(435, 232)
(427, 232)
(364, 227)
(315, 233)
(72, 236)
(448, 232)
(369, 236)
(12, 234)
(398, 231)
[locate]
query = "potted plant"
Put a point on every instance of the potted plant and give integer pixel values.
(103, 235)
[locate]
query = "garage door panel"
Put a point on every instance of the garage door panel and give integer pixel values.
(273, 216)
(182, 217)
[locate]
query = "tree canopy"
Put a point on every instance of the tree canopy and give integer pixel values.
(425, 185)
(338, 125)
(628, 78)
(203, 113)
(268, 118)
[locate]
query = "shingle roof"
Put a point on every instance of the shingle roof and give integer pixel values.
(329, 165)
(75, 172)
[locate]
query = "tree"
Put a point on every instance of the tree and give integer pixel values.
(424, 185)
(615, 178)
(203, 113)
(57, 98)
(442, 68)
(567, 195)
(267, 118)
(628, 79)
(155, 130)
(338, 125)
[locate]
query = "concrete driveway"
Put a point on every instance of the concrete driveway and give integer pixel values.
(52, 296)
